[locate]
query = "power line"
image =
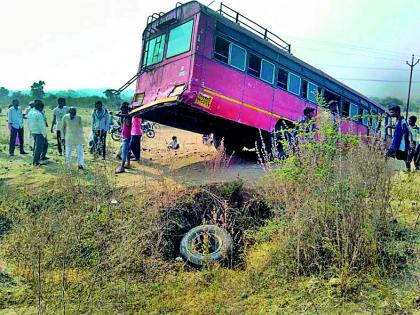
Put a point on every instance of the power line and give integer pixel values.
(351, 46)
(377, 80)
(346, 53)
(362, 67)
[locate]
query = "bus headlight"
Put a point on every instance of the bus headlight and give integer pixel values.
(139, 98)
(177, 90)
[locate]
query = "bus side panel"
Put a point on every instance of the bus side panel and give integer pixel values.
(288, 105)
(348, 127)
(228, 84)
(258, 104)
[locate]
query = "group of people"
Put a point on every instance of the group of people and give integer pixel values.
(406, 140)
(69, 130)
(131, 133)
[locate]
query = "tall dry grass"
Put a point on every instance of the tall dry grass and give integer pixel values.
(333, 196)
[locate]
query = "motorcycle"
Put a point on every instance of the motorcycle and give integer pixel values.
(115, 132)
(148, 128)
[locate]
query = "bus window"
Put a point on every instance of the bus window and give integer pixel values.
(311, 92)
(179, 39)
(345, 109)
(282, 78)
(221, 50)
(330, 96)
(254, 66)
(293, 83)
(365, 117)
(374, 120)
(237, 57)
(267, 71)
(360, 113)
(304, 88)
(354, 111)
(153, 52)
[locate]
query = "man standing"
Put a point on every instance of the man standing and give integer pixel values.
(58, 114)
(100, 126)
(25, 116)
(414, 153)
(73, 135)
(37, 128)
(305, 130)
(400, 143)
(15, 118)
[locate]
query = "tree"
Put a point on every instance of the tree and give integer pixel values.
(37, 89)
(4, 92)
(110, 95)
(17, 95)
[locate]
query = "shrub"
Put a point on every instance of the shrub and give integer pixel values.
(338, 216)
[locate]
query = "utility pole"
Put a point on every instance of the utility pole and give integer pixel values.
(411, 65)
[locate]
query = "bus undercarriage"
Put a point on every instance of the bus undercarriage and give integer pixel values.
(179, 115)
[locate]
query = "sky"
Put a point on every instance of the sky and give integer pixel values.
(77, 44)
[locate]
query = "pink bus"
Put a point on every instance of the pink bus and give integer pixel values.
(219, 72)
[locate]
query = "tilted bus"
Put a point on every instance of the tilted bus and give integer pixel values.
(218, 72)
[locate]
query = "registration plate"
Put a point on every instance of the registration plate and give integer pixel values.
(203, 100)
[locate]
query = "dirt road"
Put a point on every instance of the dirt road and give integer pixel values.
(194, 163)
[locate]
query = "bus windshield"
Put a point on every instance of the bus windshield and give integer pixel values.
(179, 42)
(153, 52)
(179, 39)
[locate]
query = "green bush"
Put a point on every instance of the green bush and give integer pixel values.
(338, 216)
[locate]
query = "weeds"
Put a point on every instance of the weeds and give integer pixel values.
(328, 230)
(338, 218)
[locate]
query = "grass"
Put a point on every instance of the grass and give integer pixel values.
(66, 248)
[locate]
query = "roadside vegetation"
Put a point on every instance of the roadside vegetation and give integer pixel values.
(329, 230)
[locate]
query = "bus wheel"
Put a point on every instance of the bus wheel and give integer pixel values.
(206, 243)
(230, 144)
(217, 140)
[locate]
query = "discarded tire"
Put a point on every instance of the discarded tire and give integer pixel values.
(206, 243)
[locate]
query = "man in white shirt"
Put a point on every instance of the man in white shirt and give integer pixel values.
(25, 116)
(58, 114)
(15, 119)
(36, 122)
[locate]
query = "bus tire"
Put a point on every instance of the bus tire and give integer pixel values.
(206, 243)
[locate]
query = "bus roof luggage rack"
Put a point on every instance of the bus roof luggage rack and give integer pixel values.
(242, 20)
(161, 21)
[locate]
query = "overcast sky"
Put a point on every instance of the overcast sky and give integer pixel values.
(73, 44)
